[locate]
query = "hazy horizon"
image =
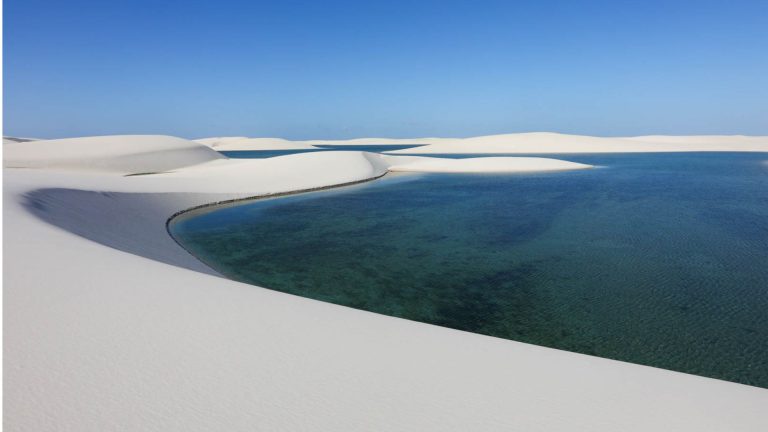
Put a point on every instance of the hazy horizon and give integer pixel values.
(344, 69)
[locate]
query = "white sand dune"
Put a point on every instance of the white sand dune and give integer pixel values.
(379, 141)
(723, 140)
(111, 326)
(541, 142)
(480, 165)
(244, 143)
(156, 154)
(126, 154)
(534, 142)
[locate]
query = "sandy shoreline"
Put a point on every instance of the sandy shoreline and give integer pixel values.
(108, 329)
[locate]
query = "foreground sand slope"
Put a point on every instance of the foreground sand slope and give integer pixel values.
(111, 326)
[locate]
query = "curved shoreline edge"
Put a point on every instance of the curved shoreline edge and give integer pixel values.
(272, 195)
(187, 211)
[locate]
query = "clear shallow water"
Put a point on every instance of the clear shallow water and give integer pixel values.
(656, 259)
(261, 154)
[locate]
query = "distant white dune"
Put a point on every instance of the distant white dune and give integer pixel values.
(700, 139)
(245, 143)
(219, 141)
(125, 153)
(111, 325)
(378, 141)
(480, 164)
(534, 142)
(542, 142)
(153, 154)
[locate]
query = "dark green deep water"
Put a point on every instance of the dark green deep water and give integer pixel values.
(656, 259)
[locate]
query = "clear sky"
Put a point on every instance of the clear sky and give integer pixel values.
(395, 68)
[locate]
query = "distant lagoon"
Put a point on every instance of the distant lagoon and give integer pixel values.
(655, 259)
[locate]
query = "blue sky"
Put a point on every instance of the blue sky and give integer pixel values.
(342, 69)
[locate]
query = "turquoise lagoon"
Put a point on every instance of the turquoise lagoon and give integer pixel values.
(655, 259)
